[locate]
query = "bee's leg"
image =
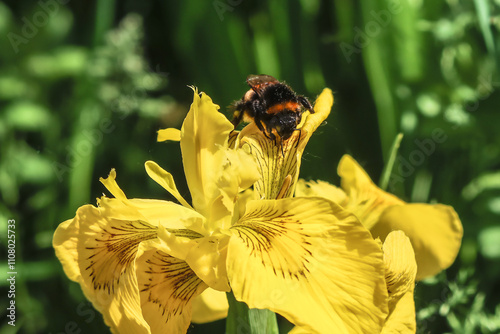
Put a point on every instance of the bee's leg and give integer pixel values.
(237, 117)
(305, 103)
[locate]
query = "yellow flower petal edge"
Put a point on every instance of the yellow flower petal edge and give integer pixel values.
(204, 132)
(215, 173)
(206, 255)
(107, 277)
(435, 232)
(365, 199)
(166, 180)
(169, 134)
(277, 160)
(310, 261)
(321, 189)
(210, 306)
(401, 269)
(167, 288)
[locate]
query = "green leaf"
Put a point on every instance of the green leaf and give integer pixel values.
(241, 319)
(386, 174)
(484, 18)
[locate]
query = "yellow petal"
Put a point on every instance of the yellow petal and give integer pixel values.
(435, 232)
(167, 288)
(277, 160)
(322, 108)
(99, 253)
(169, 134)
(401, 269)
(166, 180)
(365, 199)
(112, 186)
(310, 261)
(157, 212)
(210, 306)
(320, 189)
(206, 255)
(204, 134)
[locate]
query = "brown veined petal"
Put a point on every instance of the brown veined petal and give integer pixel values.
(167, 288)
(279, 159)
(210, 306)
(99, 253)
(276, 160)
(310, 261)
(365, 199)
(206, 255)
(320, 189)
(401, 269)
(435, 231)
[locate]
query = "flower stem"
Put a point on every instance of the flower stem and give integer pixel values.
(241, 319)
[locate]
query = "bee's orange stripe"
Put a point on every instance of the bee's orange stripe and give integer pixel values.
(279, 107)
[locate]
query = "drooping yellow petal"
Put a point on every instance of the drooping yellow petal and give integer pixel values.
(365, 199)
(279, 159)
(210, 306)
(310, 261)
(401, 269)
(166, 180)
(320, 189)
(435, 232)
(169, 134)
(204, 134)
(167, 288)
(99, 253)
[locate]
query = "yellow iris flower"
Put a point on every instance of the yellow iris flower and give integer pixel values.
(146, 265)
(435, 230)
(400, 272)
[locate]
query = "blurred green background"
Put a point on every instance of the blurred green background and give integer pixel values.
(84, 86)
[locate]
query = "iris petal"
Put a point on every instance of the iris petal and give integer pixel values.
(435, 232)
(167, 288)
(365, 199)
(210, 306)
(310, 261)
(99, 253)
(401, 269)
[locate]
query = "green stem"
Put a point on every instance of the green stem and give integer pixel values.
(241, 319)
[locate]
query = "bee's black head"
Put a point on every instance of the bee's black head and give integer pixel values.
(285, 123)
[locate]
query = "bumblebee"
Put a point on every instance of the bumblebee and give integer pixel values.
(272, 105)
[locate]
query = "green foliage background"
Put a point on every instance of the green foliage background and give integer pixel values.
(85, 85)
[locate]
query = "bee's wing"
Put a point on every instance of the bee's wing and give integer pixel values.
(259, 82)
